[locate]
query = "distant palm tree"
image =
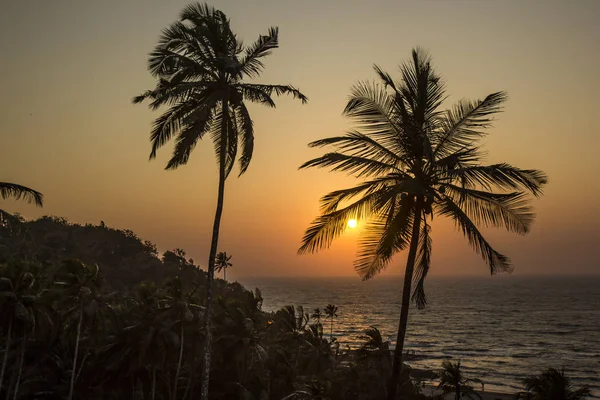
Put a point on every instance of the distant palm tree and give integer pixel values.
(552, 384)
(418, 160)
(17, 192)
(222, 263)
(331, 313)
(452, 380)
(200, 66)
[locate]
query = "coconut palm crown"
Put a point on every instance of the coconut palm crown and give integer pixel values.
(417, 160)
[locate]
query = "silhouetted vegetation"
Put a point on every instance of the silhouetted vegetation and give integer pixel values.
(452, 380)
(552, 384)
(70, 330)
(124, 259)
(17, 192)
(418, 160)
(201, 69)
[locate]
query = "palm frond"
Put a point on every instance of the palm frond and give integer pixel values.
(510, 210)
(353, 165)
(275, 89)
(325, 228)
(465, 123)
(256, 95)
(503, 176)
(385, 234)
(332, 200)
(182, 48)
(385, 77)
(231, 145)
(422, 265)
(18, 192)
(468, 156)
(189, 131)
(495, 260)
(166, 126)
(375, 113)
(360, 145)
(421, 88)
(246, 136)
(251, 65)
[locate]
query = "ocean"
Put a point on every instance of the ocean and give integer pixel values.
(501, 328)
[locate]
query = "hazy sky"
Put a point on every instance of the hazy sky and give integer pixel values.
(70, 68)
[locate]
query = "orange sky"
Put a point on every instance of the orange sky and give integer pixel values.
(70, 68)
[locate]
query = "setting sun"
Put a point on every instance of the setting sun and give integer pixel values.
(352, 223)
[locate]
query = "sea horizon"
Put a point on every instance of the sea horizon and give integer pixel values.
(501, 329)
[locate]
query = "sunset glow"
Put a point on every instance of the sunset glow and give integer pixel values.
(352, 223)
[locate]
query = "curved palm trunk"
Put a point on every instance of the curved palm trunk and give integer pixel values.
(224, 274)
(410, 265)
(211, 258)
(6, 351)
(21, 358)
(72, 387)
(457, 395)
(179, 361)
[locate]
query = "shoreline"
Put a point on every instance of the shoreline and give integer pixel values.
(432, 390)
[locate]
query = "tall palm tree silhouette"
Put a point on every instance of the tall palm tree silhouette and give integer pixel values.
(17, 192)
(222, 263)
(200, 66)
(417, 161)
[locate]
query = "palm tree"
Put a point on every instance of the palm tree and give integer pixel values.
(552, 384)
(15, 302)
(222, 263)
(200, 66)
(331, 313)
(18, 192)
(452, 380)
(416, 161)
(80, 284)
(22, 309)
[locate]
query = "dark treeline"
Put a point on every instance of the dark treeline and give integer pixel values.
(131, 325)
(93, 312)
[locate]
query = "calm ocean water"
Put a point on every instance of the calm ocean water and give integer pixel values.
(502, 328)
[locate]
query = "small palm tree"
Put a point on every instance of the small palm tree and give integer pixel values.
(418, 160)
(552, 384)
(17, 192)
(330, 314)
(452, 380)
(222, 263)
(201, 67)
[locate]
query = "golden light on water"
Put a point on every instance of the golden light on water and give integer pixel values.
(352, 223)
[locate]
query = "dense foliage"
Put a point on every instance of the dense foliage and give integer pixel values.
(80, 320)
